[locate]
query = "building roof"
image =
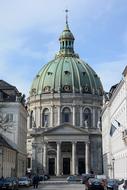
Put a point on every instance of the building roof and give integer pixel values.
(7, 91)
(7, 143)
(67, 72)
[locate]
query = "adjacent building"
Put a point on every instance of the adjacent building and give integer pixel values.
(13, 123)
(64, 106)
(8, 158)
(114, 130)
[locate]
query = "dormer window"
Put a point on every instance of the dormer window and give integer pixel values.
(50, 73)
(66, 72)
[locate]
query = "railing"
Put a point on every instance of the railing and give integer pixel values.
(124, 135)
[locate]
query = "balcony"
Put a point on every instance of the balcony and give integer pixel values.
(124, 135)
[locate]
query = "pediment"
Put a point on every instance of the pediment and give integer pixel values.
(66, 129)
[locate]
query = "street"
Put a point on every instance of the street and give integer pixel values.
(57, 186)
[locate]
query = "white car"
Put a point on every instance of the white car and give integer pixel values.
(24, 181)
(123, 186)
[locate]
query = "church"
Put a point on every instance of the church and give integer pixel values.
(64, 106)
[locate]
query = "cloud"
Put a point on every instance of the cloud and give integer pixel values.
(110, 72)
(30, 30)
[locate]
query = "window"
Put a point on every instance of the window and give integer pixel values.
(31, 119)
(87, 117)
(66, 115)
(28, 162)
(45, 117)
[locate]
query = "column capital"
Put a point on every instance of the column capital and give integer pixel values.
(74, 142)
(58, 142)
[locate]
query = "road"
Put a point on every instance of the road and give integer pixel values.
(57, 186)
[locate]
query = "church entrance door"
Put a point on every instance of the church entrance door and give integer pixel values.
(51, 166)
(66, 166)
(81, 165)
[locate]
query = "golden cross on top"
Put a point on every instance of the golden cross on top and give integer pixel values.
(66, 15)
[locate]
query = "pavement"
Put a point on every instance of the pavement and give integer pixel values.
(57, 183)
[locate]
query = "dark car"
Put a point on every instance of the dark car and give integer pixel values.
(10, 183)
(96, 184)
(85, 177)
(112, 184)
(2, 183)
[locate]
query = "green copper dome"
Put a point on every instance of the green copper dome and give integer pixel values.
(67, 72)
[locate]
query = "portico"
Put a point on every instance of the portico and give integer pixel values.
(65, 161)
(64, 154)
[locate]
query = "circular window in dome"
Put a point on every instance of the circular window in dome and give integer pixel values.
(47, 89)
(67, 88)
(85, 89)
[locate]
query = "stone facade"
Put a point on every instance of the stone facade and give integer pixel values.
(64, 129)
(115, 139)
(13, 123)
(50, 142)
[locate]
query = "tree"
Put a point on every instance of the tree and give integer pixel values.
(5, 123)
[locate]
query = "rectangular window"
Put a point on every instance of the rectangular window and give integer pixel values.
(66, 117)
(28, 162)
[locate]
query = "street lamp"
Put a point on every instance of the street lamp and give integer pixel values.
(113, 161)
(1, 160)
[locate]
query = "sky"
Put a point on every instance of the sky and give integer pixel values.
(30, 29)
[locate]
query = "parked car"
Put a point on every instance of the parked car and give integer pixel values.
(25, 181)
(123, 186)
(73, 179)
(10, 183)
(85, 177)
(96, 184)
(112, 184)
(2, 183)
(44, 177)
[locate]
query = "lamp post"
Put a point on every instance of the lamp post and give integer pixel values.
(1, 160)
(113, 161)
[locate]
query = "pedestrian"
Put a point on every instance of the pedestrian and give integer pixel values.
(35, 181)
(86, 183)
(104, 184)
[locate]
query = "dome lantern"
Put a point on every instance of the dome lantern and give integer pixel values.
(66, 40)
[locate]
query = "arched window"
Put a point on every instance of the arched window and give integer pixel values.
(45, 117)
(87, 117)
(66, 115)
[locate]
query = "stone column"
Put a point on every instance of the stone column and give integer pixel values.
(81, 116)
(87, 157)
(74, 115)
(59, 116)
(93, 117)
(58, 159)
(40, 116)
(28, 122)
(73, 158)
(51, 120)
(35, 109)
(45, 156)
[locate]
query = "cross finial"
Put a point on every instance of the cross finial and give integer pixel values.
(66, 15)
